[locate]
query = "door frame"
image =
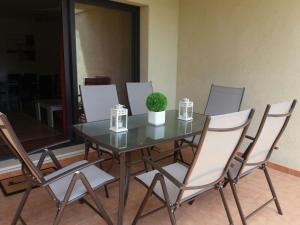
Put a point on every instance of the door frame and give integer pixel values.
(70, 44)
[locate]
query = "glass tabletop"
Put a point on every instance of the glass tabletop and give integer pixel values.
(140, 133)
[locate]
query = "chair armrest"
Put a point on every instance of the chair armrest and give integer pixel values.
(47, 147)
(48, 152)
(164, 173)
(71, 171)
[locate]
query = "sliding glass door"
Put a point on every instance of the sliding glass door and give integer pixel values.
(32, 78)
(106, 44)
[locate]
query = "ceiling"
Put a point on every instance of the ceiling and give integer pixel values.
(29, 6)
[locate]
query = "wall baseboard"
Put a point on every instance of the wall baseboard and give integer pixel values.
(63, 162)
(93, 155)
(284, 169)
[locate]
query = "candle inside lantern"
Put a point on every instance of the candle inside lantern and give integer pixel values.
(120, 122)
(119, 118)
(185, 109)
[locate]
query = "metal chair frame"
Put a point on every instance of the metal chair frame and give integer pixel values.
(34, 177)
(100, 152)
(191, 143)
(259, 165)
(217, 184)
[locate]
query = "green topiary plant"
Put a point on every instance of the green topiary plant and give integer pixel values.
(157, 102)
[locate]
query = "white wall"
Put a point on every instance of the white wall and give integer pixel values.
(103, 45)
(253, 44)
(159, 36)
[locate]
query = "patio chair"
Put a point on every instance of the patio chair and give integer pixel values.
(258, 153)
(97, 101)
(65, 185)
(177, 184)
(137, 94)
(221, 100)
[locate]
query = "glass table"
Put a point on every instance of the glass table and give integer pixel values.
(140, 135)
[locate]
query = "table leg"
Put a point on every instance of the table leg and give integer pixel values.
(128, 165)
(50, 117)
(38, 111)
(122, 188)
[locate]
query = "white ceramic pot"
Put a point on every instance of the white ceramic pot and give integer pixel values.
(157, 118)
(156, 132)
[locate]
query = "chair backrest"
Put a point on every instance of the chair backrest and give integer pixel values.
(274, 122)
(98, 100)
(137, 95)
(220, 139)
(9, 137)
(97, 80)
(222, 100)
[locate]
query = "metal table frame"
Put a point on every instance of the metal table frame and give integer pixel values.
(124, 157)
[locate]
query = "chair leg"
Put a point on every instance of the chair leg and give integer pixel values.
(22, 221)
(226, 206)
(167, 200)
(62, 206)
(237, 201)
(160, 178)
(21, 206)
(97, 201)
(145, 200)
(149, 154)
(59, 215)
(272, 190)
(192, 202)
(181, 156)
(143, 155)
(100, 153)
(176, 153)
(87, 149)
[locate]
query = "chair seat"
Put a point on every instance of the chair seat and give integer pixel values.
(94, 175)
(178, 171)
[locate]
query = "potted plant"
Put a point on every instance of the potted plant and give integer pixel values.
(156, 103)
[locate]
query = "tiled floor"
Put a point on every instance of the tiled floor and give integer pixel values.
(208, 209)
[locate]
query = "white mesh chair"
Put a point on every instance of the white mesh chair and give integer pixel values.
(65, 185)
(256, 156)
(176, 184)
(137, 94)
(221, 100)
(97, 101)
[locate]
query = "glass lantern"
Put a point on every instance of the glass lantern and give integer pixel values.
(118, 118)
(185, 127)
(185, 109)
(118, 140)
